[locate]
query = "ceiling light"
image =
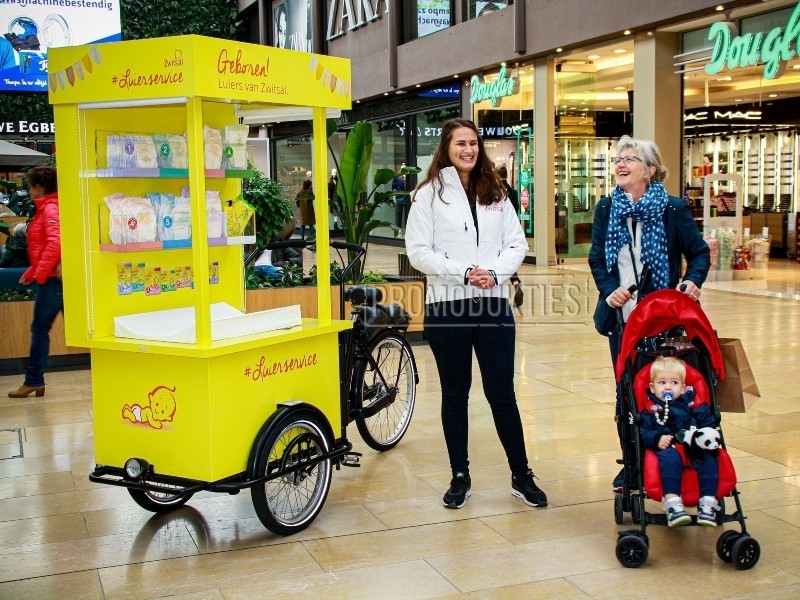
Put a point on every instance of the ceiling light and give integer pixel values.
(609, 108)
(627, 32)
(620, 87)
(773, 95)
(559, 49)
(796, 66)
(593, 56)
(719, 8)
(620, 51)
(737, 99)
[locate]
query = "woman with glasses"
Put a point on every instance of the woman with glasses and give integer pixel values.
(640, 237)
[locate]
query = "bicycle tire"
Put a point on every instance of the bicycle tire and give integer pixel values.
(159, 502)
(292, 499)
(385, 392)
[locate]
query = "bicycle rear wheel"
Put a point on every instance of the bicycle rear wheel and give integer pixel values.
(385, 392)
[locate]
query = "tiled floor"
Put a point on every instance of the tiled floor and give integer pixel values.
(383, 532)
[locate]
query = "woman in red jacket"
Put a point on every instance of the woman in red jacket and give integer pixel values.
(44, 251)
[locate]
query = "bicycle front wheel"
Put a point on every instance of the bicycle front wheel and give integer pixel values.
(386, 389)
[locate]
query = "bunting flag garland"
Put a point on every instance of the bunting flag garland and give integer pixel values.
(78, 70)
(327, 79)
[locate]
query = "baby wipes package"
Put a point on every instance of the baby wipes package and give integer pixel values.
(238, 214)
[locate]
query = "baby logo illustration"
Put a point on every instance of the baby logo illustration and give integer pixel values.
(159, 409)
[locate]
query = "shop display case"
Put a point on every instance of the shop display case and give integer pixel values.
(181, 87)
(582, 171)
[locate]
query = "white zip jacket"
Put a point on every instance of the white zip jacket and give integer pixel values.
(442, 243)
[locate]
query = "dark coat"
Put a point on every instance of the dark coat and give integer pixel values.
(512, 195)
(683, 241)
(305, 202)
(683, 413)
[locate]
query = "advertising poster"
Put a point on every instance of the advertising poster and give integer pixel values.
(28, 29)
(482, 8)
(432, 16)
(292, 29)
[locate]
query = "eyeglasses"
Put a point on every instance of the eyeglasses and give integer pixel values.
(626, 160)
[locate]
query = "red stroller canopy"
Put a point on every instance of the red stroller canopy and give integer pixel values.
(662, 310)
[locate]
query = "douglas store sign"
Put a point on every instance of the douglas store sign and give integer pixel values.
(26, 127)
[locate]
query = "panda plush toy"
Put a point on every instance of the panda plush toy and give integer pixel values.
(698, 441)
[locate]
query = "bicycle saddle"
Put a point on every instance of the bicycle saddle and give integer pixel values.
(362, 294)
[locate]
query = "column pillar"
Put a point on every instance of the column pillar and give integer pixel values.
(658, 100)
(544, 150)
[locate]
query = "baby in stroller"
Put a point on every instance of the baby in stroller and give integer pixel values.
(671, 416)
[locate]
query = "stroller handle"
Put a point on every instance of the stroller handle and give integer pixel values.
(620, 319)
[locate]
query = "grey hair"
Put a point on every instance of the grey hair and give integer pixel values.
(647, 151)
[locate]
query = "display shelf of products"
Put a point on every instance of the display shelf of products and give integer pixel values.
(169, 173)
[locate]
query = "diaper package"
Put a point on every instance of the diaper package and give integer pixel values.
(214, 214)
(235, 134)
(145, 152)
(234, 156)
(173, 215)
(132, 219)
(172, 151)
(212, 147)
(234, 142)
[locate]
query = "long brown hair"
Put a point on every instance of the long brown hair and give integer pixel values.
(483, 181)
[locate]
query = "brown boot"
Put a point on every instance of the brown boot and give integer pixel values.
(24, 391)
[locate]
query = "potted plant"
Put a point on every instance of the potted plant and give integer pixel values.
(274, 213)
(354, 205)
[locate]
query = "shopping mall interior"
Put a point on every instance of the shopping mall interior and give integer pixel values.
(383, 531)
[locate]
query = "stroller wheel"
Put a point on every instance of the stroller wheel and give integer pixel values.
(619, 510)
(631, 551)
(746, 552)
(725, 544)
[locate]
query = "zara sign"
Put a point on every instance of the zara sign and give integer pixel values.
(347, 15)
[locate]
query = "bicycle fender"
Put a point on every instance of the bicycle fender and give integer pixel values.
(293, 408)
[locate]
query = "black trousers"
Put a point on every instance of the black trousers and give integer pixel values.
(453, 329)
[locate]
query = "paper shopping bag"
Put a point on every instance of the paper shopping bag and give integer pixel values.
(738, 391)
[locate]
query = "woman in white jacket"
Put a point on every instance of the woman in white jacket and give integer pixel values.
(463, 233)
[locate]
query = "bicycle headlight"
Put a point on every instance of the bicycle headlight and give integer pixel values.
(135, 467)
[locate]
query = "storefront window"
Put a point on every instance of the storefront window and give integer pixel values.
(432, 16)
(389, 152)
(502, 106)
(478, 9)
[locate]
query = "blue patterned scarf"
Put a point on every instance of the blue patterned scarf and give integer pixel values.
(648, 211)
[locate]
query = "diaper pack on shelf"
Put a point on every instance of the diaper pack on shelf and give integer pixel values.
(224, 148)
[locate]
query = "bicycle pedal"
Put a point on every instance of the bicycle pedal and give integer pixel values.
(351, 459)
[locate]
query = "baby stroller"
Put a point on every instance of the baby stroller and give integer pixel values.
(668, 323)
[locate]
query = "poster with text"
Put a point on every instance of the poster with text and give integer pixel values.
(28, 29)
(432, 16)
(292, 25)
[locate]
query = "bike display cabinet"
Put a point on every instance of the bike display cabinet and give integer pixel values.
(218, 393)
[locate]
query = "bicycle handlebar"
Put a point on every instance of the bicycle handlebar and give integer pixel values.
(347, 246)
